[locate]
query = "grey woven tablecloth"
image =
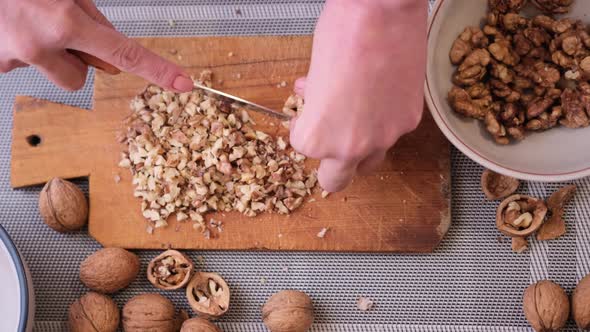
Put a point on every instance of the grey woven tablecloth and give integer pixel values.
(473, 282)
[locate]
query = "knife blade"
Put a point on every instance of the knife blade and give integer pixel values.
(238, 102)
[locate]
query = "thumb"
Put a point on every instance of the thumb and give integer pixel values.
(128, 55)
(334, 175)
(299, 87)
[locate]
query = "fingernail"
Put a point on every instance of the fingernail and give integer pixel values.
(182, 83)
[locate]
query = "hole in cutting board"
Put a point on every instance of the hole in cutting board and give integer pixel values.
(34, 140)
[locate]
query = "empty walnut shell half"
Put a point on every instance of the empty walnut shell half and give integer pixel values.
(546, 306)
(581, 303)
(208, 295)
(520, 215)
(497, 186)
(170, 270)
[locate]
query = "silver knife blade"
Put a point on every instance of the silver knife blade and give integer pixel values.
(239, 102)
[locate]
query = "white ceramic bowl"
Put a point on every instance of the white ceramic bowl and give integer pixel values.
(559, 154)
(17, 300)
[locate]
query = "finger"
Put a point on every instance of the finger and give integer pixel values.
(299, 87)
(6, 66)
(300, 140)
(128, 55)
(334, 175)
(95, 62)
(371, 163)
(65, 70)
(91, 10)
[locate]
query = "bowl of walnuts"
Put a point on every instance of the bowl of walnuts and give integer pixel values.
(508, 84)
(17, 303)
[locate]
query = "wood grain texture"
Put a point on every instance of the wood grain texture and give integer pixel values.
(403, 207)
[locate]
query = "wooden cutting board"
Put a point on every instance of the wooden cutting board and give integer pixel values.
(403, 207)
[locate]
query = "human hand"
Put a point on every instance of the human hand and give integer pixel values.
(40, 33)
(364, 88)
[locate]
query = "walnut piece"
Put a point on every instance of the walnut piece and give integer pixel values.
(364, 303)
(190, 154)
(170, 270)
(546, 306)
(519, 244)
(208, 294)
(520, 215)
(464, 104)
(554, 227)
(497, 186)
(471, 37)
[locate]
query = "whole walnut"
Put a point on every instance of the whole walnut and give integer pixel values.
(199, 325)
(94, 312)
(288, 311)
(546, 306)
(109, 270)
(63, 206)
(150, 312)
(581, 303)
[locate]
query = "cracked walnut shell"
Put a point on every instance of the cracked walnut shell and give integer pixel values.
(546, 306)
(288, 311)
(150, 312)
(497, 186)
(520, 215)
(199, 325)
(170, 270)
(93, 312)
(109, 270)
(581, 303)
(554, 227)
(208, 294)
(63, 206)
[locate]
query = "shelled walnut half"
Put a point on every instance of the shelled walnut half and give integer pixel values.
(170, 270)
(504, 6)
(520, 215)
(553, 6)
(208, 294)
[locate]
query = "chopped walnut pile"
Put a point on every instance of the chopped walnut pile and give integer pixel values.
(191, 154)
(519, 74)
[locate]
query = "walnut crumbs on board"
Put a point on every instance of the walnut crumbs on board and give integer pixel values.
(191, 154)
